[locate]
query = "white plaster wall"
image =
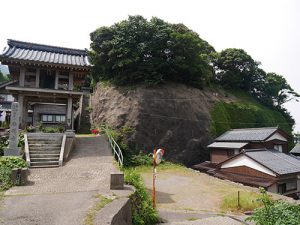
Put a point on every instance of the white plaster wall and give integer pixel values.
(277, 136)
(243, 160)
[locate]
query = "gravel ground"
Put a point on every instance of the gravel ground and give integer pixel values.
(188, 197)
(62, 195)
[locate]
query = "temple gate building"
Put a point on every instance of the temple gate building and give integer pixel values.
(46, 81)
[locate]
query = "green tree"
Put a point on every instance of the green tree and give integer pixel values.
(236, 69)
(277, 90)
(137, 50)
(3, 78)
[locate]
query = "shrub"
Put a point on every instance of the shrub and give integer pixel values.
(7, 163)
(50, 130)
(142, 211)
(141, 160)
(275, 212)
(3, 144)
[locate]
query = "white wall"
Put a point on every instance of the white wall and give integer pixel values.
(243, 160)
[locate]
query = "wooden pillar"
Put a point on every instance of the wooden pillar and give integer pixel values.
(71, 78)
(37, 78)
(21, 109)
(56, 79)
(22, 76)
(69, 112)
(25, 113)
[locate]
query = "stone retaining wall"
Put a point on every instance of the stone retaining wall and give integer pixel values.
(117, 212)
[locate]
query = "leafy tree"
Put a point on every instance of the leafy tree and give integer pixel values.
(278, 90)
(236, 69)
(3, 78)
(137, 50)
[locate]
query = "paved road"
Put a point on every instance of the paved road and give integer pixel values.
(63, 195)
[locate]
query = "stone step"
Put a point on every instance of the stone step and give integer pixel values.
(41, 145)
(45, 166)
(45, 163)
(42, 152)
(44, 142)
(44, 148)
(44, 155)
(49, 138)
(48, 159)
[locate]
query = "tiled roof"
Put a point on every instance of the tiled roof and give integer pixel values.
(296, 149)
(227, 145)
(249, 134)
(37, 53)
(276, 161)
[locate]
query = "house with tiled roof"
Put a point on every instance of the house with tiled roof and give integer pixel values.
(277, 172)
(296, 150)
(234, 141)
(46, 80)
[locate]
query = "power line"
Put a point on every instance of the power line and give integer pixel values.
(199, 120)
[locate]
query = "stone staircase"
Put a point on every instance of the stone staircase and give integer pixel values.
(43, 150)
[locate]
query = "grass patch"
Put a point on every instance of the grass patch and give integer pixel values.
(142, 211)
(245, 112)
(248, 202)
(164, 166)
(101, 202)
(192, 219)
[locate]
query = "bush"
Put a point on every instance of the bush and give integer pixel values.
(275, 212)
(141, 160)
(50, 130)
(142, 211)
(7, 163)
(3, 144)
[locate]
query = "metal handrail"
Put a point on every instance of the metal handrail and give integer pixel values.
(27, 155)
(62, 150)
(115, 147)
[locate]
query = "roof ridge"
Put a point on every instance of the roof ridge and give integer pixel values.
(43, 47)
(255, 128)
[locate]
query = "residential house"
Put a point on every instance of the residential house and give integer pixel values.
(276, 171)
(234, 141)
(296, 150)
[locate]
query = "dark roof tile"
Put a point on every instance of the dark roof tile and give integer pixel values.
(25, 51)
(248, 134)
(276, 161)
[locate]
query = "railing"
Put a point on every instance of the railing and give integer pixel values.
(115, 147)
(62, 150)
(27, 150)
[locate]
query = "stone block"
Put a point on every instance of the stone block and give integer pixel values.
(19, 176)
(117, 181)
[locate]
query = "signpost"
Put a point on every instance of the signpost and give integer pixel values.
(157, 157)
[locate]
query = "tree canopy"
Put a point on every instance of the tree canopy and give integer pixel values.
(137, 50)
(235, 69)
(3, 78)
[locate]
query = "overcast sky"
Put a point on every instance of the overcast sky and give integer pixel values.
(269, 30)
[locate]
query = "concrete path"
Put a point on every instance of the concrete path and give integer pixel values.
(62, 195)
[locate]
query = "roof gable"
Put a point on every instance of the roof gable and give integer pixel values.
(244, 160)
(278, 162)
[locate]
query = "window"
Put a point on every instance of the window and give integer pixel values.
(60, 118)
(278, 147)
(48, 118)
